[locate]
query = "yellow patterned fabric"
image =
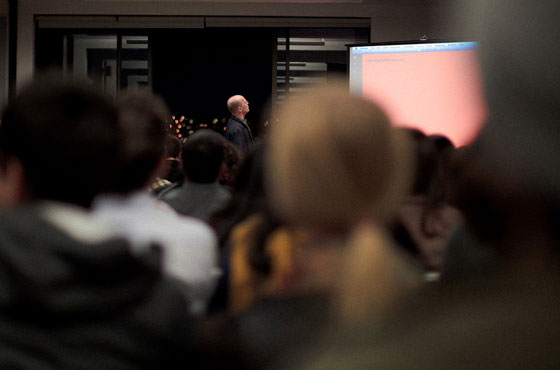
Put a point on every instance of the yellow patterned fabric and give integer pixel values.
(247, 286)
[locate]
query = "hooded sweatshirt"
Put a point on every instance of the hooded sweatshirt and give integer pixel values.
(75, 298)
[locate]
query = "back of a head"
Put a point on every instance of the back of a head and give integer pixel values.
(232, 160)
(203, 154)
(430, 152)
(65, 135)
(442, 143)
(519, 58)
(142, 146)
(512, 179)
(334, 158)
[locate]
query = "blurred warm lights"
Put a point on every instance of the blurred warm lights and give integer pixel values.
(183, 127)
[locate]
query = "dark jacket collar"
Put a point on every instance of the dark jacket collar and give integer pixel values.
(244, 123)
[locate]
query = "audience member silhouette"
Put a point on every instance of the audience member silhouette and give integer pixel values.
(57, 160)
(173, 147)
(232, 161)
(200, 195)
(505, 317)
(331, 184)
(426, 219)
(342, 183)
(189, 245)
(247, 200)
(73, 296)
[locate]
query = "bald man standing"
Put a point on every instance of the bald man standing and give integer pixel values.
(237, 130)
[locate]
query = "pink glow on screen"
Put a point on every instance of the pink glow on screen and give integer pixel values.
(438, 92)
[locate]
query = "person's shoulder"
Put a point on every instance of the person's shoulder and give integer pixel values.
(183, 226)
(195, 225)
(171, 192)
(159, 185)
(222, 187)
(233, 124)
(222, 190)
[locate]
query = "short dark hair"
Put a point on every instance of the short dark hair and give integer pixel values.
(65, 135)
(203, 154)
(142, 119)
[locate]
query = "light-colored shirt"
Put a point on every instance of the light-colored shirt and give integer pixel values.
(190, 246)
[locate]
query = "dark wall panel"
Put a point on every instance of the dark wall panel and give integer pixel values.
(49, 49)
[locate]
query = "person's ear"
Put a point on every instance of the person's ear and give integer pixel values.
(13, 186)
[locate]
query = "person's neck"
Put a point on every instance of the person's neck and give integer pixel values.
(240, 116)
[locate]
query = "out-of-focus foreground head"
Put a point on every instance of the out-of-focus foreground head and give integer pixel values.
(65, 136)
(142, 120)
(334, 159)
(520, 56)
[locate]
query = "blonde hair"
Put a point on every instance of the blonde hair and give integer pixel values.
(334, 158)
(336, 164)
(375, 277)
